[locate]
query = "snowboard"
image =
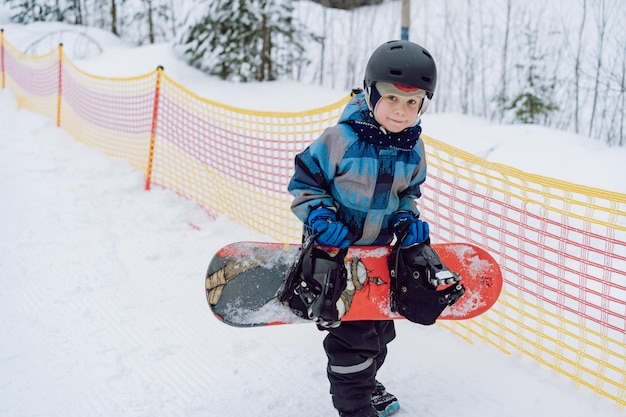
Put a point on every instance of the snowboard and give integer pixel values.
(244, 280)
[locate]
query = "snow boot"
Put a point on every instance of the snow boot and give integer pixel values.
(361, 412)
(385, 403)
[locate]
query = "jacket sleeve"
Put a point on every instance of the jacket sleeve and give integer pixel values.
(315, 169)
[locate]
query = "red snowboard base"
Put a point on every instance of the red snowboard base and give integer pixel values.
(244, 278)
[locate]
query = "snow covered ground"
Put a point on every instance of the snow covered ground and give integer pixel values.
(102, 305)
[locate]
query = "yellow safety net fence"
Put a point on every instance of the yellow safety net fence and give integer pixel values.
(561, 246)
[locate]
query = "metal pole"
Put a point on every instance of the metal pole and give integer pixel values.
(406, 13)
(60, 85)
(155, 114)
(2, 58)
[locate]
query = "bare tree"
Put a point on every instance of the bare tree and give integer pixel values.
(113, 10)
(504, 62)
(470, 64)
(601, 22)
(622, 101)
(484, 105)
(150, 16)
(577, 68)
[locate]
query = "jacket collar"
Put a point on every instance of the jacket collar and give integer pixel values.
(358, 116)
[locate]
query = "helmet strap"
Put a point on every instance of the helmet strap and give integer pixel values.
(372, 96)
(423, 106)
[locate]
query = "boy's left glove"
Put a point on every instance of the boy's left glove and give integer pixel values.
(331, 231)
(416, 230)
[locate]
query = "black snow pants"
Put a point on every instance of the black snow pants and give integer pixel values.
(356, 350)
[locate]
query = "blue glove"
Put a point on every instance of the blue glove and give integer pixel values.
(332, 232)
(417, 231)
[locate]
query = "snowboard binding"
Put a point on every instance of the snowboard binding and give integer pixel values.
(314, 285)
(416, 272)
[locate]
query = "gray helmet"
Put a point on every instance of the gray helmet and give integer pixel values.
(402, 62)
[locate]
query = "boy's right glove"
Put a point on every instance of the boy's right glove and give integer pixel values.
(331, 231)
(405, 223)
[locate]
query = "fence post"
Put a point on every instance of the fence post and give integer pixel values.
(2, 57)
(406, 19)
(60, 86)
(155, 113)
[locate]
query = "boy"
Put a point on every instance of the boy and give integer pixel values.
(357, 184)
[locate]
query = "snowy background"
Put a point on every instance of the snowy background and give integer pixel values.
(102, 305)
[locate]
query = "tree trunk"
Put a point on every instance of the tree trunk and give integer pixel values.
(114, 18)
(150, 22)
(505, 50)
(577, 86)
(263, 67)
(601, 19)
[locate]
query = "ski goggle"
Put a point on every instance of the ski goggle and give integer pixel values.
(385, 88)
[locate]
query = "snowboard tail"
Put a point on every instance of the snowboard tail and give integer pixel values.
(244, 280)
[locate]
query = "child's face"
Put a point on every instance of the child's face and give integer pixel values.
(396, 113)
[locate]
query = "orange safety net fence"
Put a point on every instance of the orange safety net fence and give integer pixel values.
(561, 246)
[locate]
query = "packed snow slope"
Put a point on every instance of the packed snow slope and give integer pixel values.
(102, 305)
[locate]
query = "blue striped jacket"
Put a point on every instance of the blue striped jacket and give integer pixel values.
(356, 169)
